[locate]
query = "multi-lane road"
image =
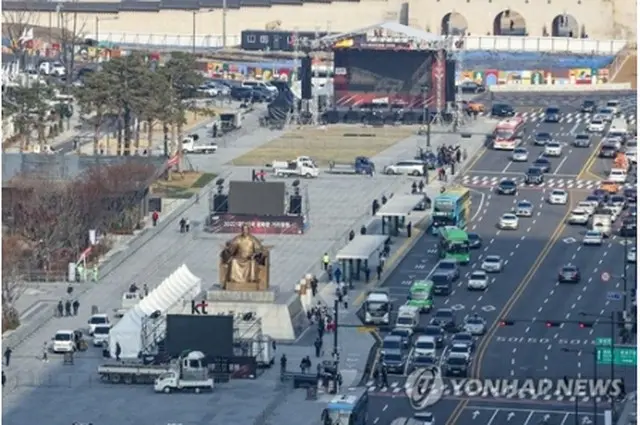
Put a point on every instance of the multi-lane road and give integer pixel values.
(527, 289)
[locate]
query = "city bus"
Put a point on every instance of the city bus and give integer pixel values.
(508, 134)
(347, 409)
(451, 208)
(421, 295)
(454, 244)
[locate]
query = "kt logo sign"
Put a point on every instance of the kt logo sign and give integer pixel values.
(199, 307)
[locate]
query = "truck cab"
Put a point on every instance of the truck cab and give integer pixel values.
(602, 222)
(363, 165)
(191, 374)
(129, 300)
(408, 317)
(190, 145)
(64, 342)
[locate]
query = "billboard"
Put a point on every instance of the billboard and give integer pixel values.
(276, 41)
(258, 225)
(378, 76)
(213, 335)
(259, 198)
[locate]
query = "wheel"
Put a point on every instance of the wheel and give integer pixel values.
(128, 379)
(115, 378)
(307, 176)
(416, 173)
(196, 390)
(166, 390)
(390, 172)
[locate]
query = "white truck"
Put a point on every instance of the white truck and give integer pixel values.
(408, 317)
(297, 169)
(129, 300)
(306, 160)
(602, 223)
(138, 373)
(190, 145)
(191, 375)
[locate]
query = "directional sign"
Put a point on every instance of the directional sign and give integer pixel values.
(585, 420)
(603, 341)
(546, 417)
(457, 307)
(569, 240)
(510, 416)
(488, 308)
(476, 413)
(626, 242)
(614, 295)
(605, 276)
(622, 356)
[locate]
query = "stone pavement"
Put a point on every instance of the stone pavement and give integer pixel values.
(157, 253)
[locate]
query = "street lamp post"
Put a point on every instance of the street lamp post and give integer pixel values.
(194, 27)
(100, 19)
(595, 376)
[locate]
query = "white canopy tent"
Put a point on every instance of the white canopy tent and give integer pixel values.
(179, 286)
(361, 247)
(400, 205)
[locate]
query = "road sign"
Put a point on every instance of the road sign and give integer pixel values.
(605, 276)
(603, 341)
(622, 356)
(614, 295)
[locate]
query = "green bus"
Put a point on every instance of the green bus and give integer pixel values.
(421, 295)
(453, 244)
(452, 208)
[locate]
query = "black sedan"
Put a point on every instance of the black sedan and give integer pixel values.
(542, 163)
(475, 241)
(631, 194)
(608, 150)
(588, 106)
(541, 139)
(437, 333)
(569, 274)
(422, 362)
(552, 114)
(502, 110)
(507, 187)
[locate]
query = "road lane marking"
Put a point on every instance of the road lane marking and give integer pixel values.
(560, 165)
(484, 344)
(504, 170)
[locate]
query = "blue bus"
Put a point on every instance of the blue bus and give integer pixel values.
(347, 409)
(451, 208)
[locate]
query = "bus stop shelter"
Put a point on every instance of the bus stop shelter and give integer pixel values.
(354, 257)
(396, 210)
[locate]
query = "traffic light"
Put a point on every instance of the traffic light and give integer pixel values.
(553, 324)
(507, 323)
(584, 325)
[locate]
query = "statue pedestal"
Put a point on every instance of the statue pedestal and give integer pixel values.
(251, 296)
(247, 286)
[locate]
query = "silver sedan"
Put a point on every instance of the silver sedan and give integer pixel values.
(524, 209)
(520, 155)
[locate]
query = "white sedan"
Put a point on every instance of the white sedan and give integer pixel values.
(478, 281)
(558, 197)
(578, 216)
(631, 255)
(492, 264)
(592, 237)
(520, 155)
(553, 149)
(508, 221)
(596, 125)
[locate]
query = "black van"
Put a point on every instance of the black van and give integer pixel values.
(442, 283)
(502, 110)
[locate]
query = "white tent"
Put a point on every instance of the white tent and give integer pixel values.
(179, 286)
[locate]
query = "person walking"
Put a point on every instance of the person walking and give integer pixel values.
(7, 356)
(94, 273)
(326, 260)
(154, 218)
(45, 352)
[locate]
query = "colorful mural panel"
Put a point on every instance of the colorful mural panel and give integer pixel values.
(492, 77)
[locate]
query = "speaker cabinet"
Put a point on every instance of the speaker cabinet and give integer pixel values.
(220, 203)
(295, 204)
(305, 78)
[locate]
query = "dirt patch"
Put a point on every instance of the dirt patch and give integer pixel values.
(182, 185)
(629, 71)
(339, 143)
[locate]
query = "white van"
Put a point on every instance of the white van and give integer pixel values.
(408, 317)
(617, 175)
(618, 128)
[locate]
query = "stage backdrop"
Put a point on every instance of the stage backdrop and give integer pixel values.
(213, 335)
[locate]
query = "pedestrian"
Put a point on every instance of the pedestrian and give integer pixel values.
(453, 168)
(187, 225)
(182, 223)
(352, 235)
(302, 366)
(421, 186)
(118, 351)
(363, 230)
(414, 188)
(326, 260)
(458, 155)
(60, 309)
(4, 378)
(338, 274)
(318, 346)
(69, 290)
(145, 289)
(94, 273)
(283, 363)
(375, 206)
(76, 307)
(67, 308)
(367, 274)
(154, 218)
(314, 286)
(45, 352)
(7, 356)
(379, 271)
(81, 272)
(345, 300)
(409, 229)
(133, 287)
(384, 200)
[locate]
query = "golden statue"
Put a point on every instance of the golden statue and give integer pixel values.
(244, 263)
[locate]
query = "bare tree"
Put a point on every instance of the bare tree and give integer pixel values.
(71, 36)
(14, 250)
(15, 25)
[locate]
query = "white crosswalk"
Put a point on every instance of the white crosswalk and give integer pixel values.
(396, 389)
(568, 118)
(556, 183)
